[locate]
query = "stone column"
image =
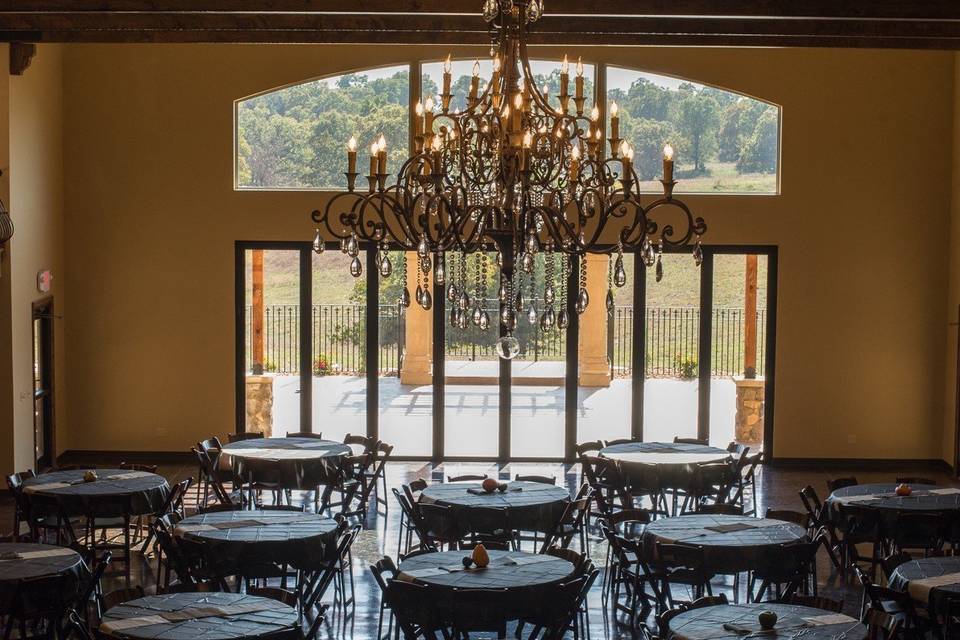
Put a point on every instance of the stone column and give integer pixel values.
(418, 350)
(594, 364)
(749, 420)
(260, 404)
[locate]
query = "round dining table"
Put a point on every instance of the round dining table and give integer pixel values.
(927, 498)
(296, 538)
(530, 506)
(734, 621)
(292, 463)
(21, 561)
(113, 493)
(731, 544)
(929, 581)
(519, 575)
(507, 570)
(211, 616)
(673, 460)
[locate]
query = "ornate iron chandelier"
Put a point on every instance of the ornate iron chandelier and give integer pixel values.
(514, 173)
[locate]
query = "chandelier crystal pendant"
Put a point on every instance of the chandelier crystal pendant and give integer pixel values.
(517, 172)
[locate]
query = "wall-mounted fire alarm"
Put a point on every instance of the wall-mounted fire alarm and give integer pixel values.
(44, 278)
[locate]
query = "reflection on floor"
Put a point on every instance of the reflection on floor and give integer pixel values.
(777, 488)
(471, 413)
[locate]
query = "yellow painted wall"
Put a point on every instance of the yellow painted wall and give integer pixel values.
(860, 223)
(31, 156)
(6, 345)
(953, 289)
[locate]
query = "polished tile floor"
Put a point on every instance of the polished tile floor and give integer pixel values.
(777, 488)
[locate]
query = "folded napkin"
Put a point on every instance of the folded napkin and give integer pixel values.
(920, 589)
(49, 486)
(830, 618)
(129, 475)
(530, 559)
(421, 573)
(730, 528)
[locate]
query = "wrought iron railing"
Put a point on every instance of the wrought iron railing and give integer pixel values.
(673, 341)
(338, 334)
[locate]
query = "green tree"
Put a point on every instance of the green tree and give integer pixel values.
(760, 150)
(697, 121)
(732, 131)
(647, 137)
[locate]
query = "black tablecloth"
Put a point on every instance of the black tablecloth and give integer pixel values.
(302, 540)
(737, 546)
(531, 506)
(274, 618)
(20, 561)
(674, 460)
(116, 492)
(905, 577)
(707, 623)
(927, 498)
(446, 570)
(294, 463)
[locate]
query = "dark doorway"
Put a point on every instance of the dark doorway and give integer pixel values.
(43, 377)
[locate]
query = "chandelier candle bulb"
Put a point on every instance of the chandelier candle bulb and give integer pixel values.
(574, 166)
(381, 155)
(447, 65)
(428, 118)
(614, 121)
(374, 152)
(579, 80)
(352, 155)
(418, 120)
(475, 82)
(668, 162)
(564, 77)
(517, 112)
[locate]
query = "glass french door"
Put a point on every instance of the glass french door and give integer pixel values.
(273, 383)
(688, 354)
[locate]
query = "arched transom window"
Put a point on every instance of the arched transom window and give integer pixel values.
(294, 137)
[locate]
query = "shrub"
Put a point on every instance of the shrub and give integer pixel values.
(687, 366)
(321, 365)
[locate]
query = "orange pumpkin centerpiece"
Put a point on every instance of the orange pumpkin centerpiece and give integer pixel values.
(903, 490)
(480, 556)
(489, 485)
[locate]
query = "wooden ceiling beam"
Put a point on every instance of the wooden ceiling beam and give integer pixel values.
(263, 36)
(386, 28)
(784, 9)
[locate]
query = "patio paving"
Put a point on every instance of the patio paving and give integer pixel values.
(471, 413)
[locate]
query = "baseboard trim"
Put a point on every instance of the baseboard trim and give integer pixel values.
(79, 456)
(863, 463)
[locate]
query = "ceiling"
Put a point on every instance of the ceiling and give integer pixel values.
(901, 24)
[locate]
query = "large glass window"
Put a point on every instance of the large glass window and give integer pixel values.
(338, 331)
(406, 364)
(538, 373)
(472, 368)
(296, 137)
(738, 333)
(604, 401)
(724, 141)
(272, 312)
(671, 387)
